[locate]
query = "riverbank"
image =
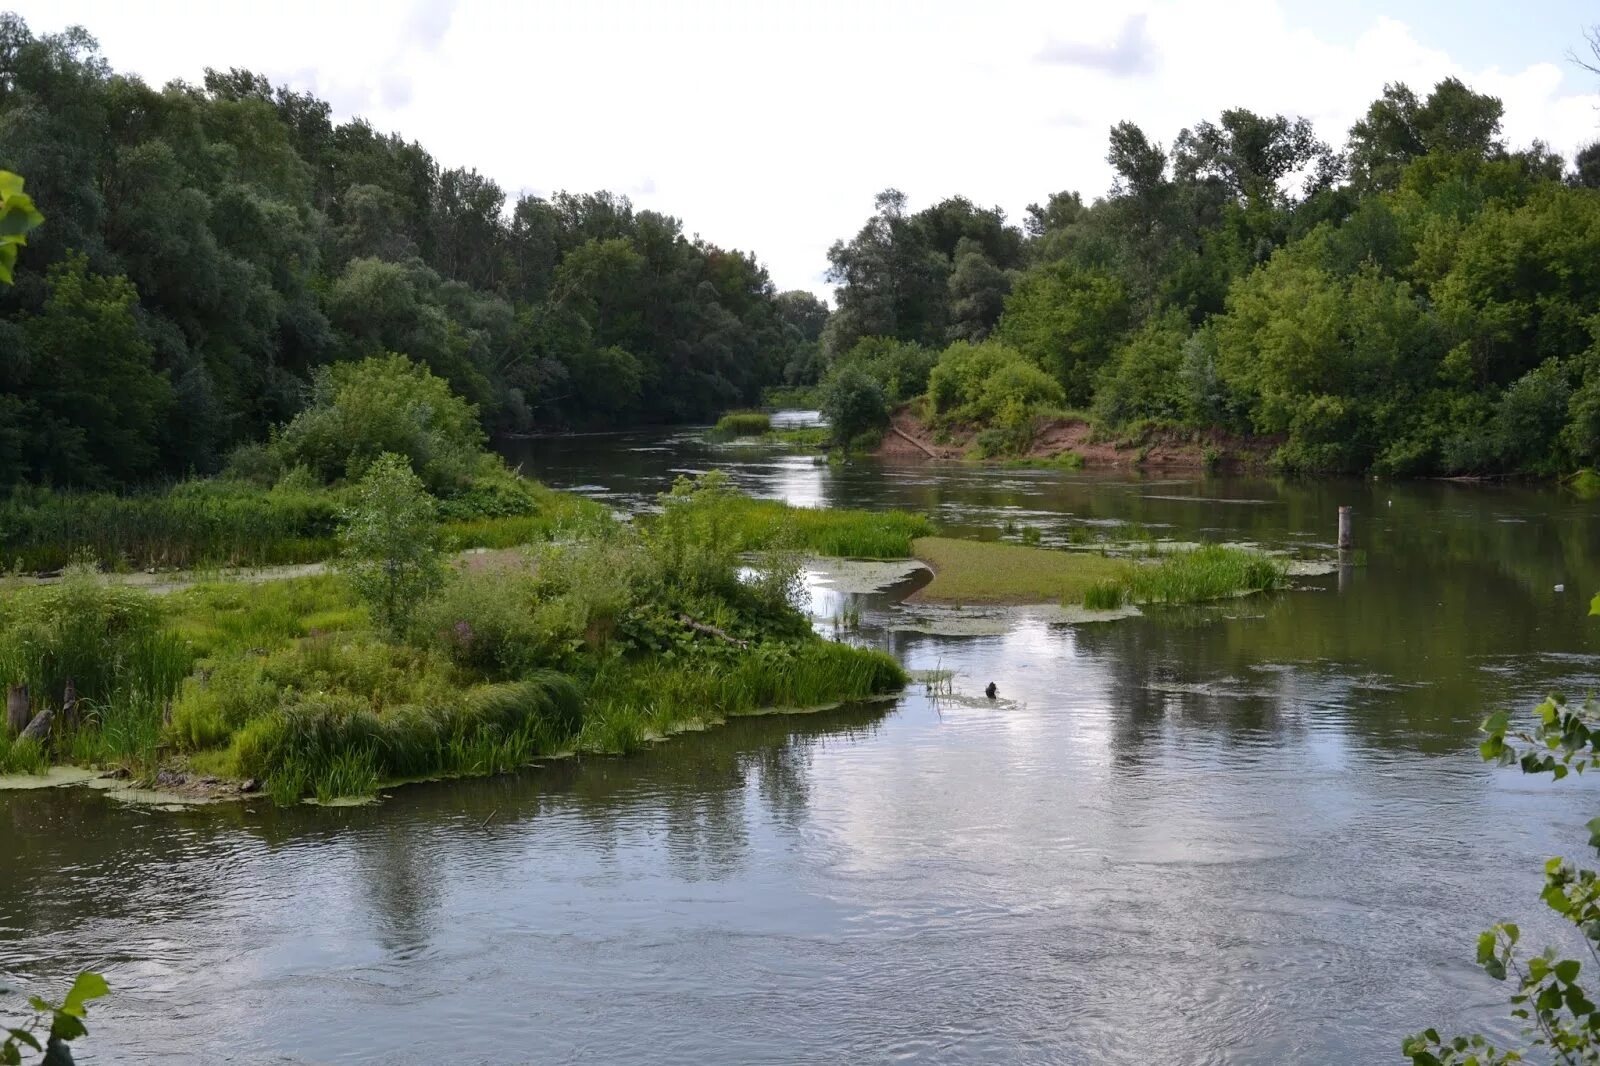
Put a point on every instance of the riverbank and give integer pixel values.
(607, 639)
(1074, 442)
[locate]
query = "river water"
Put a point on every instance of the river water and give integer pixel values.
(1254, 833)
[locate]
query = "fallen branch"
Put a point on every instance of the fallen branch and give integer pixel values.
(720, 634)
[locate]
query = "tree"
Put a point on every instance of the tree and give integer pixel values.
(854, 404)
(1067, 321)
(389, 543)
(86, 403)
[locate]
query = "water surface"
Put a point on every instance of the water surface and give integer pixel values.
(1256, 833)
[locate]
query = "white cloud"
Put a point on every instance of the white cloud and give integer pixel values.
(770, 127)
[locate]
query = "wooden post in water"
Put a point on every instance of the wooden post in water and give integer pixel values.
(1344, 529)
(17, 710)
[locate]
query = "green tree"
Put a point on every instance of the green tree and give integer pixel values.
(81, 401)
(854, 404)
(1067, 321)
(389, 543)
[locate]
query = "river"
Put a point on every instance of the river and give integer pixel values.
(1253, 833)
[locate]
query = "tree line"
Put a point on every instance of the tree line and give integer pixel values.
(210, 246)
(1423, 300)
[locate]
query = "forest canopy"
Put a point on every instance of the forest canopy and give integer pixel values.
(209, 248)
(1424, 300)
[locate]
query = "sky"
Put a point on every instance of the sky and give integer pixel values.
(769, 126)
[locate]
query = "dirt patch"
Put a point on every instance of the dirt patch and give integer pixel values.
(908, 437)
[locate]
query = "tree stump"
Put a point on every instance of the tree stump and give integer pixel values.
(17, 711)
(39, 729)
(69, 706)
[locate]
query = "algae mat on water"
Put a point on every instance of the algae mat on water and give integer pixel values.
(976, 571)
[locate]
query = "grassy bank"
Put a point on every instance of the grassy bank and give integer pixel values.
(751, 525)
(742, 424)
(225, 522)
(600, 643)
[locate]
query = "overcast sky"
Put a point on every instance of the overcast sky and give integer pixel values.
(769, 126)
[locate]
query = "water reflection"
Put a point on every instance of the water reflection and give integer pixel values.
(1251, 833)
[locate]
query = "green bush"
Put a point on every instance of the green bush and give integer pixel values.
(854, 405)
(975, 383)
(384, 405)
(389, 543)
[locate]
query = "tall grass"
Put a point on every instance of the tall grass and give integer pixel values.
(848, 534)
(742, 424)
(1212, 572)
(222, 522)
(634, 703)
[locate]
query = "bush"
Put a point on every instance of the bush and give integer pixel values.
(976, 382)
(900, 367)
(1143, 380)
(383, 405)
(854, 404)
(390, 543)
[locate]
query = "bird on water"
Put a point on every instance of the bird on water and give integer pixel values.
(990, 691)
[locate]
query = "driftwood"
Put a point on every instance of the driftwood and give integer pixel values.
(69, 706)
(39, 729)
(720, 634)
(17, 710)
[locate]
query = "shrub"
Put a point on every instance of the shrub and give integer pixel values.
(390, 543)
(384, 405)
(977, 382)
(854, 404)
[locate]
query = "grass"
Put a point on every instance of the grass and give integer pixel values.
(990, 572)
(579, 644)
(755, 525)
(1211, 572)
(803, 437)
(742, 424)
(219, 522)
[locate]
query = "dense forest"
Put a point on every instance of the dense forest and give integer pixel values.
(1425, 300)
(209, 246)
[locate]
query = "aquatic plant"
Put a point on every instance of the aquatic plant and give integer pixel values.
(1105, 595)
(971, 571)
(52, 1026)
(1210, 572)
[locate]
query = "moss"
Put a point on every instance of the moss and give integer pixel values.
(983, 572)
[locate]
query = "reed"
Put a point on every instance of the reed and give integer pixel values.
(742, 424)
(1211, 572)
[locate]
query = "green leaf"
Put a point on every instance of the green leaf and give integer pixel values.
(64, 1026)
(25, 1037)
(1567, 970)
(10, 184)
(8, 260)
(88, 986)
(1496, 723)
(1485, 947)
(1594, 604)
(9, 1055)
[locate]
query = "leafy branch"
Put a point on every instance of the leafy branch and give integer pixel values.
(53, 1026)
